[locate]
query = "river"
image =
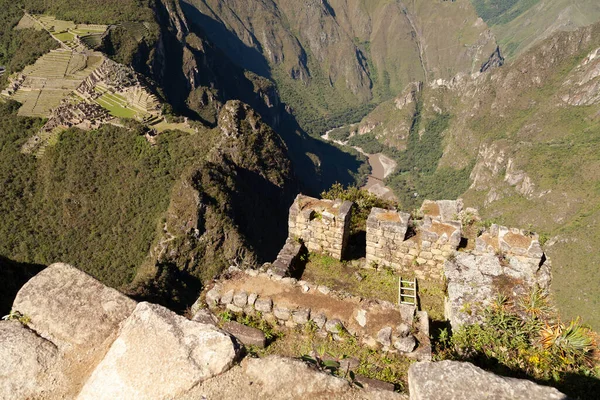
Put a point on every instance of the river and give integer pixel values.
(381, 167)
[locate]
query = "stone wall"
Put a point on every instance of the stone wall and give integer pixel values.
(505, 260)
(323, 225)
(509, 241)
(290, 303)
(423, 251)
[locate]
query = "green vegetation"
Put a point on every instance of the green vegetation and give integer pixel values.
(418, 176)
(501, 11)
(117, 106)
(363, 201)
(19, 48)
(527, 339)
(344, 276)
(369, 144)
(94, 199)
(381, 283)
(94, 11)
(305, 341)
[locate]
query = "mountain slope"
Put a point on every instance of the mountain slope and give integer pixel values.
(333, 58)
(520, 142)
(518, 24)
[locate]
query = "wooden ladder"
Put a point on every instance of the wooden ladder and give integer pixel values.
(407, 291)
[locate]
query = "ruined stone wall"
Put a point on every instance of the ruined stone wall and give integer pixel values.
(323, 225)
(423, 251)
(292, 303)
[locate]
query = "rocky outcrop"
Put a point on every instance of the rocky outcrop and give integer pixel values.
(27, 363)
(274, 373)
(280, 378)
(72, 309)
(457, 380)
(496, 60)
(474, 280)
(152, 344)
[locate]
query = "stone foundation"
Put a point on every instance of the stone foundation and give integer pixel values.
(323, 225)
(291, 303)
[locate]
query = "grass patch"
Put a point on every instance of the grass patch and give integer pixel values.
(342, 276)
(65, 36)
(372, 363)
(115, 105)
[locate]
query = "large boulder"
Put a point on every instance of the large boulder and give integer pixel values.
(159, 355)
(292, 379)
(27, 363)
(72, 309)
(474, 280)
(459, 380)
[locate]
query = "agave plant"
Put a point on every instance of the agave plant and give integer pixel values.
(535, 304)
(568, 341)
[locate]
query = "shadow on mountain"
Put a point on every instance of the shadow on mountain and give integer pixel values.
(220, 63)
(170, 287)
(13, 275)
(246, 57)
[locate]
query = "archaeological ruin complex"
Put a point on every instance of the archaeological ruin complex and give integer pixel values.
(429, 246)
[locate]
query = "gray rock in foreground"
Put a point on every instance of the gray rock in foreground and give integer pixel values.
(27, 363)
(448, 380)
(292, 378)
(70, 308)
(159, 355)
(246, 334)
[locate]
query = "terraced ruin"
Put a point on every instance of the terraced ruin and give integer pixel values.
(42, 86)
(76, 86)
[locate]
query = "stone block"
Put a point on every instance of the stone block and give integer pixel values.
(233, 308)
(403, 330)
(361, 317)
(204, 316)
(247, 335)
(264, 305)
(384, 336)
(252, 298)
(240, 299)
(227, 297)
(405, 344)
(319, 320)
(334, 326)
(213, 296)
(301, 316)
(375, 384)
(460, 380)
(282, 313)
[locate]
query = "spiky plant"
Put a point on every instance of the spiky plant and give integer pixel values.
(535, 303)
(569, 342)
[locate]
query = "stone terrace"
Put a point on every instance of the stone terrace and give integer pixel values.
(289, 302)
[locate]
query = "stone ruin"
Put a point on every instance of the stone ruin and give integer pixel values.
(429, 246)
(416, 247)
(322, 225)
(69, 114)
(505, 261)
(291, 303)
(116, 78)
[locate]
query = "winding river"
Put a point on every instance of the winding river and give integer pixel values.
(381, 167)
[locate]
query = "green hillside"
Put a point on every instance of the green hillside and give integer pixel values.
(518, 24)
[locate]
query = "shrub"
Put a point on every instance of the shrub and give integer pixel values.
(527, 339)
